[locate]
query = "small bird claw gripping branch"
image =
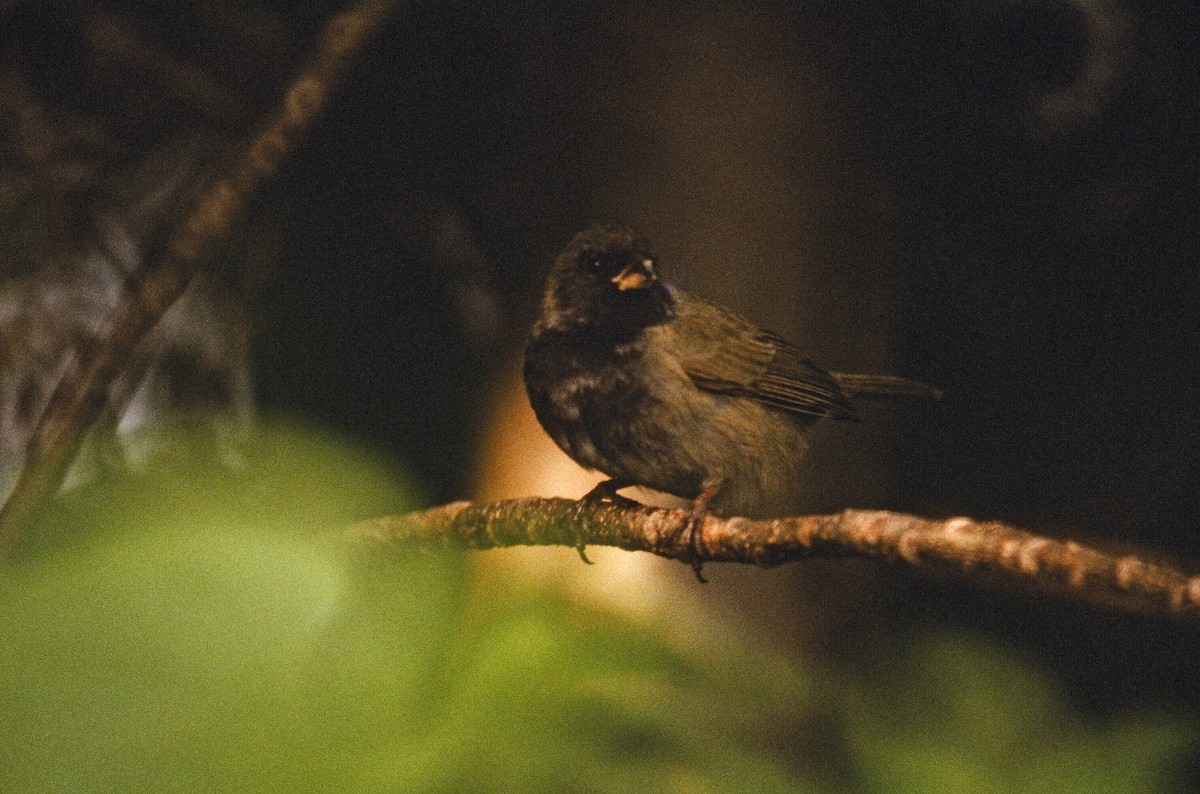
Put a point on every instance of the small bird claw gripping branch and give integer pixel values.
(949, 544)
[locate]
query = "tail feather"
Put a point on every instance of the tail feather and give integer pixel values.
(855, 385)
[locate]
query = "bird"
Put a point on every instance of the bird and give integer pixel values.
(656, 387)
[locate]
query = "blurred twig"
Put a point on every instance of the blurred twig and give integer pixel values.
(120, 43)
(82, 392)
(956, 544)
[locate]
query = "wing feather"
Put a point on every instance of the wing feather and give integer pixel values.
(727, 354)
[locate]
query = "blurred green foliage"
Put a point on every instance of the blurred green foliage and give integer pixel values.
(189, 630)
(959, 715)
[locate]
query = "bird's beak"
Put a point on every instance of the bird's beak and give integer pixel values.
(635, 275)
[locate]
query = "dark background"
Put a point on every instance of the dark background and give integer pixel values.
(997, 198)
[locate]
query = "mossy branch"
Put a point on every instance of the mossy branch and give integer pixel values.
(957, 544)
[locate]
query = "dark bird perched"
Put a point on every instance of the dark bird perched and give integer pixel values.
(656, 387)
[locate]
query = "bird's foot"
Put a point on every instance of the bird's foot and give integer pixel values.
(607, 492)
(604, 492)
(693, 524)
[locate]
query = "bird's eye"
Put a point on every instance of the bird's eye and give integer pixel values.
(592, 263)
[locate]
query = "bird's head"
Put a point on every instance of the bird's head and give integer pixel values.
(606, 278)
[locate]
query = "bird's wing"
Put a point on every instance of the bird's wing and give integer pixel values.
(724, 353)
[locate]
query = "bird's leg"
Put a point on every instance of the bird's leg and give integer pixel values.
(695, 520)
(606, 491)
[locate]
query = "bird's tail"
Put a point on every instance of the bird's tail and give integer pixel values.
(854, 385)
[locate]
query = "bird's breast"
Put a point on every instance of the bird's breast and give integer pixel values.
(635, 414)
(582, 394)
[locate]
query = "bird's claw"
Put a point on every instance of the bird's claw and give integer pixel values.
(606, 491)
(694, 523)
(580, 545)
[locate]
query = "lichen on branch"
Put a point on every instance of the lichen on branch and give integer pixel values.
(958, 544)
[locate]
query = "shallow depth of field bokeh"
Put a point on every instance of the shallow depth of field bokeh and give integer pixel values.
(997, 198)
(201, 630)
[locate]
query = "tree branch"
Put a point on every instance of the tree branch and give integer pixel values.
(82, 392)
(957, 544)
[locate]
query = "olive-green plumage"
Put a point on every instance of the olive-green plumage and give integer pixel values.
(656, 387)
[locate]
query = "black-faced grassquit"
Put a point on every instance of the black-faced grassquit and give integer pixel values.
(656, 387)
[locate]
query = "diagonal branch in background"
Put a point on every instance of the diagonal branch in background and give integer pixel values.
(82, 392)
(959, 544)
